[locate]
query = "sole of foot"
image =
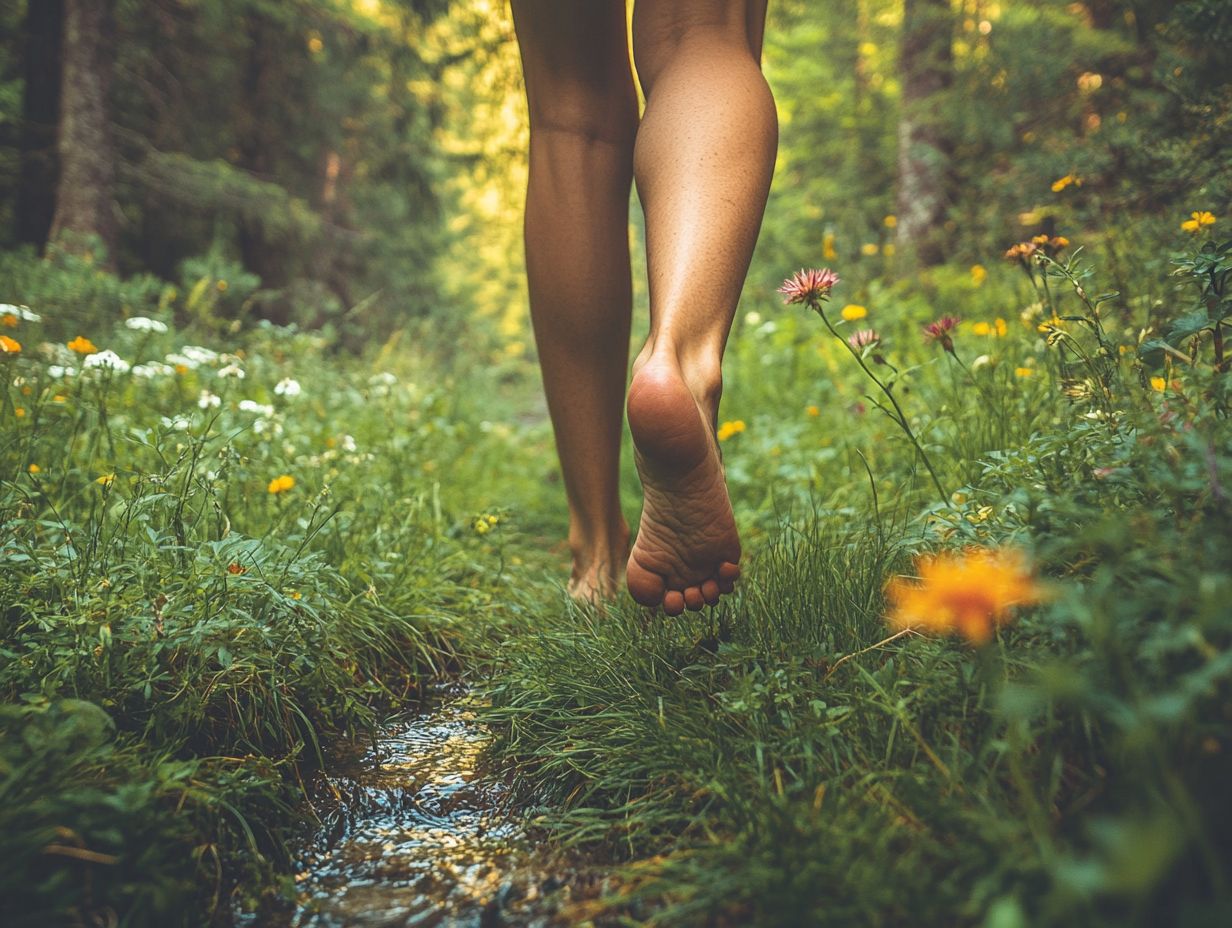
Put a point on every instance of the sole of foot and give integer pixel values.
(687, 550)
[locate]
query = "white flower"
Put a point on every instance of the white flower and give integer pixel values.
(106, 359)
(287, 387)
(56, 371)
(261, 426)
(348, 443)
(21, 312)
(181, 360)
(208, 400)
(153, 369)
(753, 318)
(145, 324)
(211, 476)
(198, 355)
(231, 370)
(982, 361)
(383, 379)
(254, 406)
(177, 423)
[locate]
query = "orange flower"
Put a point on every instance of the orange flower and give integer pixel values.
(234, 568)
(968, 592)
(281, 484)
(9, 345)
(9, 321)
(83, 345)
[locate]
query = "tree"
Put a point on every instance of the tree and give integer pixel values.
(926, 64)
(86, 190)
(36, 191)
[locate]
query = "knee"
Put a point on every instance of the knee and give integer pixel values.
(586, 116)
(659, 40)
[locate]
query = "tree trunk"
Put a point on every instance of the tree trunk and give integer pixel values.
(40, 111)
(926, 66)
(86, 191)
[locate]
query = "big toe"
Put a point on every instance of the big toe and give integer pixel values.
(645, 586)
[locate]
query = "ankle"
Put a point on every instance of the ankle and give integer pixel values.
(606, 548)
(700, 369)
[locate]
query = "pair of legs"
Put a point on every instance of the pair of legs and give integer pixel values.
(702, 156)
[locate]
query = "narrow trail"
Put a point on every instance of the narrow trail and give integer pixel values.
(415, 836)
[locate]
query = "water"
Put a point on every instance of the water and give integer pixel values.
(413, 836)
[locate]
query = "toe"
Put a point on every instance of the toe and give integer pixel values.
(729, 571)
(694, 599)
(710, 592)
(673, 602)
(645, 586)
(726, 586)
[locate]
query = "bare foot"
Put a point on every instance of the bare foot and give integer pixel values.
(598, 569)
(687, 549)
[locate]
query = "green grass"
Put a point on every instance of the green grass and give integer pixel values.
(180, 646)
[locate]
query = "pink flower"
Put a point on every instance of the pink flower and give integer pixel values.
(940, 331)
(809, 286)
(863, 339)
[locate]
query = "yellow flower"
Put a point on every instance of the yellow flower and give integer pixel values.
(968, 592)
(978, 274)
(492, 520)
(813, 411)
(9, 345)
(868, 249)
(1158, 384)
(1024, 372)
(1198, 220)
(8, 320)
(221, 286)
(851, 312)
(83, 345)
(891, 221)
(980, 328)
(888, 249)
(728, 429)
(482, 527)
(828, 251)
(1000, 327)
(281, 484)
(19, 412)
(34, 469)
(105, 480)
(1062, 182)
(59, 398)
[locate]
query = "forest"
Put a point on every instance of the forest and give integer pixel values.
(286, 632)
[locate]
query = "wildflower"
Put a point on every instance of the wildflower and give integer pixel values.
(813, 411)
(153, 369)
(281, 484)
(979, 274)
(348, 444)
(9, 345)
(1024, 372)
(828, 251)
(864, 338)
(1067, 181)
(811, 286)
(19, 412)
(105, 480)
(16, 313)
(235, 569)
(969, 592)
(232, 370)
(940, 330)
(287, 387)
(82, 345)
(891, 221)
(106, 360)
(208, 400)
(383, 379)
(982, 361)
(8, 320)
(198, 355)
(145, 324)
(851, 312)
(491, 519)
(981, 328)
(1159, 384)
(1199, 219)
(176, 423)
(888, 249)
(59, 398)
(868, 249)
(481, 526)
(728, 429)
(253, 406)
(1049, 245)
(221, 286)
(34, 469)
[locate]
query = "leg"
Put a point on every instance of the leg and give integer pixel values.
(583, 120)
(703, 162)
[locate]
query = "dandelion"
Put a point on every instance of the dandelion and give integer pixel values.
(864, 338)
(281, 484)
(811, 286)
(1024, 372)
(287, 387)
(106, 360)
(34, 469)
(869, 249)
(82, 345)
(208, 400)
(969, 592)
(940, 330)
(1198, 220)
(891, 221)
(730, 428)
(231, 371)
(105, 480)
(145, 324)
(9, 346)
(979, 274)
(1069, 180)
(1159, 384)
(851, 312)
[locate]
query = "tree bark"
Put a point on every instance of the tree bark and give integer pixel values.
(926, 66)
(86, 190)
(40, 111)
